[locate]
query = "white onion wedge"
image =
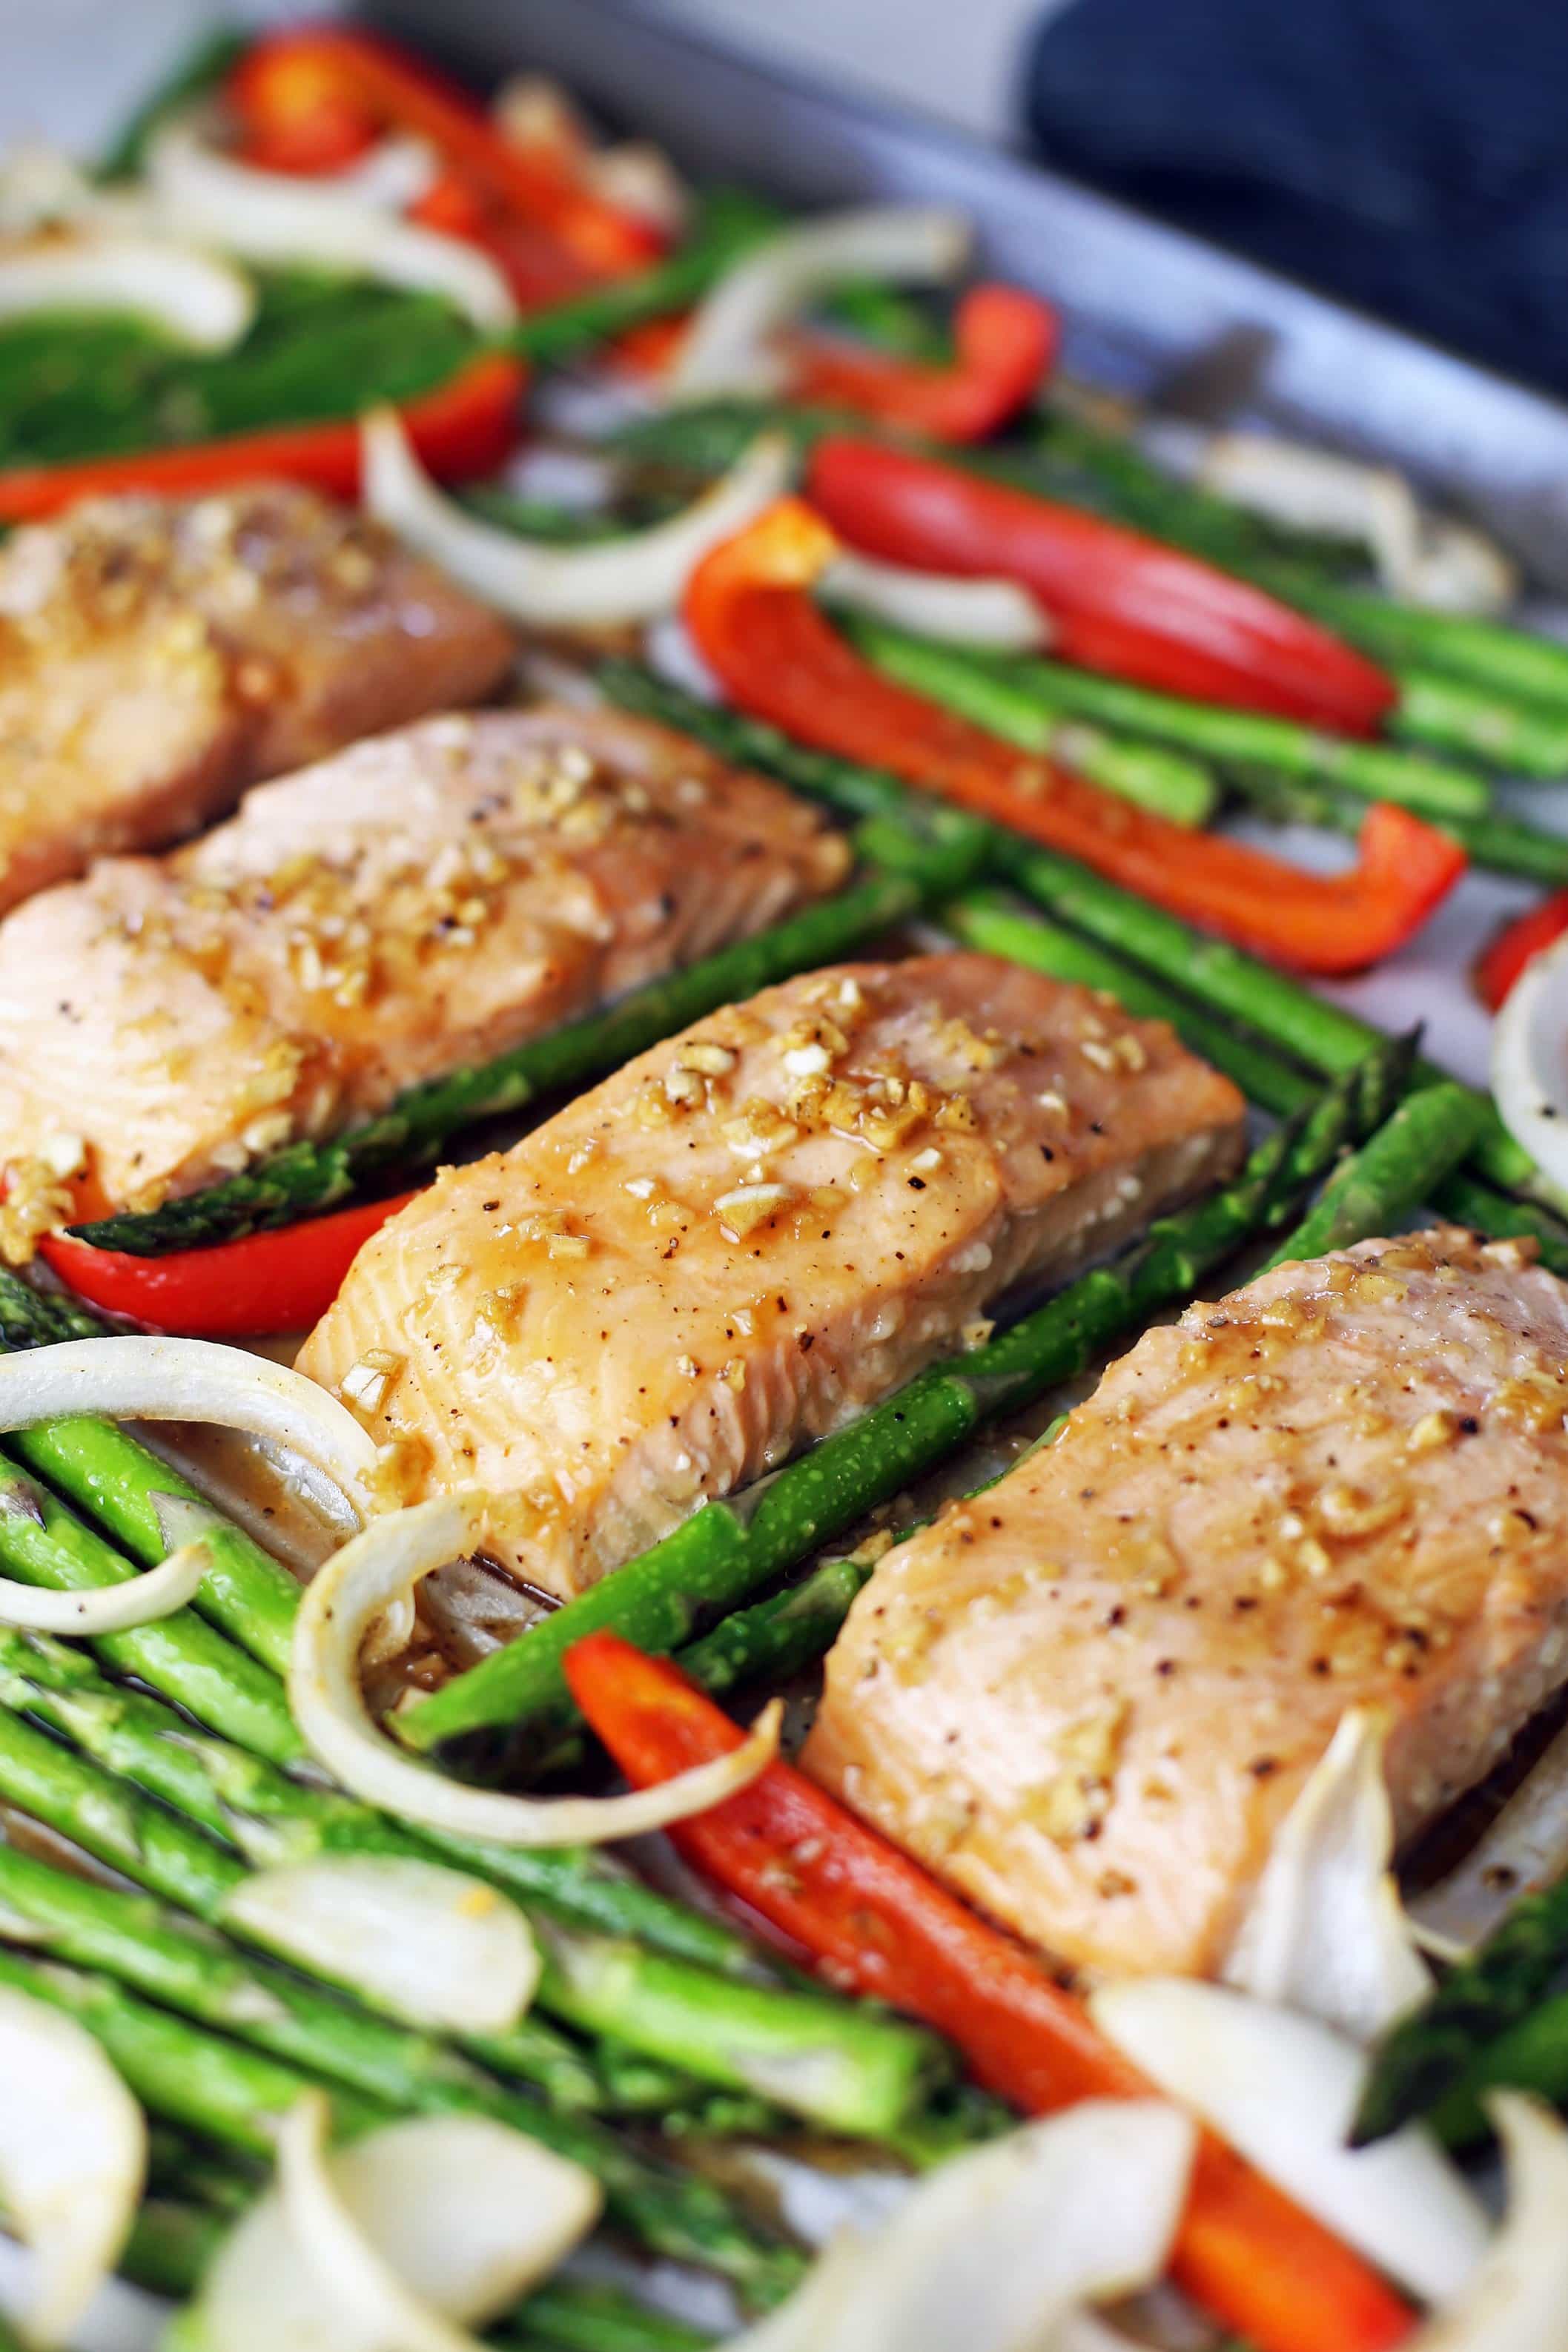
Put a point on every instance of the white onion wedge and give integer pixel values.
(73, 2155)
(1529, 1061)
(135, 1377)
(431, 1946)
(1524, 1849)
(1518, 2299)
(1283, 2089)
(1325, 1931)
(348, 1595)
(193, 298)
(444, 2222)
(725, 348)
(994, 613)
(1001, 2246)
(633, 579)
(269, 217)
(110, 1608)
(394, 172)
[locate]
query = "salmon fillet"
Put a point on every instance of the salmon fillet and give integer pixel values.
(750, 1233)
(1088, 1696)
(157, 657)
(421, 901)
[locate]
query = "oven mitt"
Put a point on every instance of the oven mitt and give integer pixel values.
(1409, 156)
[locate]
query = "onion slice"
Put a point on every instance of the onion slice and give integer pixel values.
(141, 1599)
(1529, 1061)
(408, 2238)
(633, 579)
(1000, 2247)
(430, 1945)
(1516, 2298)
(1523, 1850)
(135, 1377)
(1325, 1931)
(994, 613)
(73, 2156)
(1283, 2090)
(270, 216)
(357, 1584)
(725, 348)
(193, 298)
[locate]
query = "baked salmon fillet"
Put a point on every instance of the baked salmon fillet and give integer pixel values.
(1088, 1696)
(750, 1233)
(421, 901)
(157, 657)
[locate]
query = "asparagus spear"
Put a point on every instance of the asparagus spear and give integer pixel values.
(170, 2245)
(727, 1548)
(1455, 715)
(990, 919)
(1148, 773)
(863, 2069)
(731, 219)
(1533, 669)
(1499, 843)
(1378, 1188)
(574, 2317)
(308, 1176)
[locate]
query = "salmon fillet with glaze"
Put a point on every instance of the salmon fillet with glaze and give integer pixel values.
(419, 902)
(1088, 1697)
(157, 657)
(750, 1233)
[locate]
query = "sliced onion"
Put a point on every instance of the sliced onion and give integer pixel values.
(271, 216)
(1529, 1061)
(1001, 2246)
(142, 1599)
(995, 613)
(1519, 2295)
(431, 1946)
(394, 172)
(356, 1585)
(725, 348)
(73, 2156)
(193, 298)
(1325, 1932)
(1523, 1850)
(626, 580)
(135, 1377)
(438, 2223)
(1283, 2089)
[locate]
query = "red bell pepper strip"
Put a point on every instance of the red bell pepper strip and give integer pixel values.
(295, 114)
(462, 429)
(1005, 342)
(751, 613)
(293, 72)
(282, 1281)
(1117, 602)
(537, 268)
(1502, 961)
(875, 1923)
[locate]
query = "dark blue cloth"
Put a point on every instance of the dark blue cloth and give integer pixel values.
(1407, 155)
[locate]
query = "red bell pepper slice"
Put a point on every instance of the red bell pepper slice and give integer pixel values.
(1502, 961)
(537, 268)
(750, 612)
(1117, 602)
(282, 1281)
(873, 1921)
(462, 429)
(293, 73)
(1005, 342)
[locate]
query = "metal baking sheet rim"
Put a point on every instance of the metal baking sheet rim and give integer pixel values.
(1139, 296)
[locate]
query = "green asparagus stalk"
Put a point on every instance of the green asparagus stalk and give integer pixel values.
(755, 2038)
(1454, 715)
(1489, 2011)
(731, 220)
(574, 2317)
(1379, 1188)
(726, 1549)
(170, 2246)
(1147, 773)
(308, 1176)
(779, 1637)
(1227, 980)
(1502, 844)
(989, 919)
(1533, 670)
(1530, 2054)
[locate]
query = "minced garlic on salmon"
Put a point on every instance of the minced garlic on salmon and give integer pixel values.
(1088, 1696)
(421, 901)
(159, 656)
(749, 1233)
